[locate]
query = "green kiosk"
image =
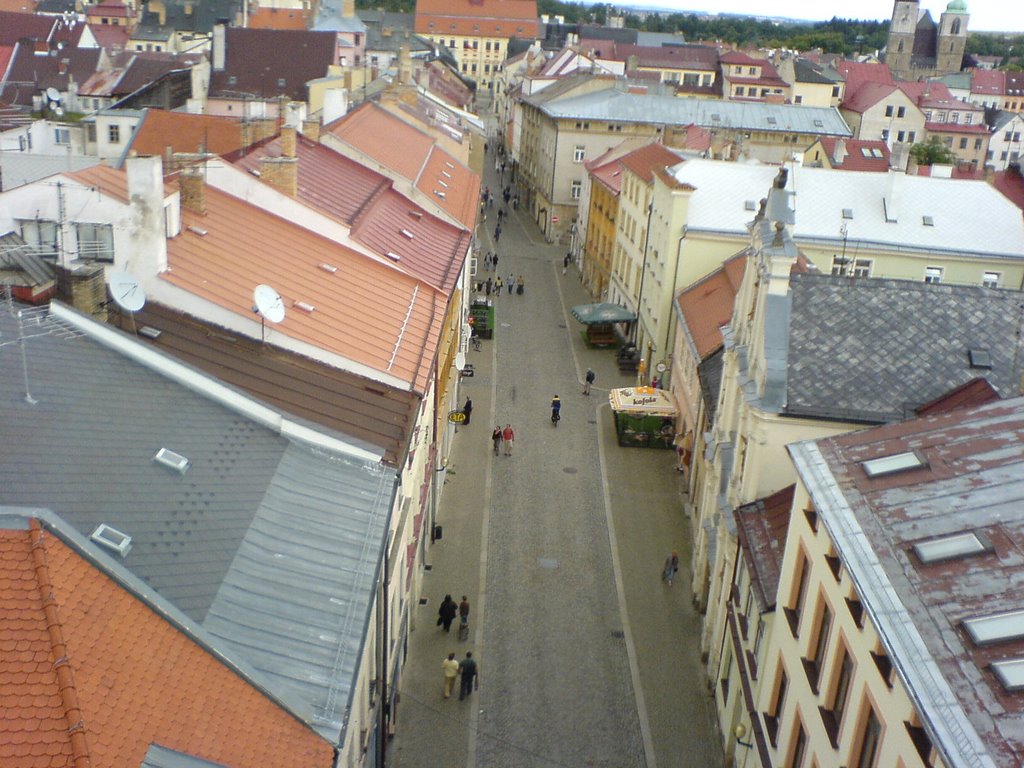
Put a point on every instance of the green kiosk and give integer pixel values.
(644, 417)
(481, 310)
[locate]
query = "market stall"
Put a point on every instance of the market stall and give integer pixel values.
(600, 320)
(644, 417)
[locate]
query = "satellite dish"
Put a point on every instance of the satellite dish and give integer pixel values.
(460, 360)
(53, 94)
(58, 111)
(267, 303)
(127, 292)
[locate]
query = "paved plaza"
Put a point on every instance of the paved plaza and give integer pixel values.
(586, 657)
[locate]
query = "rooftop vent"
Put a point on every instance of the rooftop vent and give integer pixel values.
(996, 627)
(198, 230)
(446, 174)
(847, 213)
(328, 268)
(1010, 673)
(979, 358)
(112, 539)
(416, 214)
(928, 221)
(442, 183)
(772, 121)
(818, 124)
(406, 233)
(439, 193)
(749, 205)
(255, 172)
(897, 462)
(172, 460)
(305, 306)
(394, 256)
(950, 548)
(150, 332)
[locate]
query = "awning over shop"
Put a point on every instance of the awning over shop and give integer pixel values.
(642, 401)
(592, 314)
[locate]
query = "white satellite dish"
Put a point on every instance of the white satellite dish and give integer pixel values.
(58, 110)
(267, 303)
(53, 94)
(126, 291)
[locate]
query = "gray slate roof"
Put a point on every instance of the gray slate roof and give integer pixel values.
(271, 545)
(618, 106)
(161, 757)
(872, 350)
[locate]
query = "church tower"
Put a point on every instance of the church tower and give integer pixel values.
(900, 47)
(949, 54)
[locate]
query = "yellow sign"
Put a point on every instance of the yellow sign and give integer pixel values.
(456, 417)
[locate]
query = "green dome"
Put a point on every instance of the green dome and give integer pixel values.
(957, 6)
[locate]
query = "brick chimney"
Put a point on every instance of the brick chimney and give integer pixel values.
(348, 9)
(311, 129)
(288, 141)
(192, 185)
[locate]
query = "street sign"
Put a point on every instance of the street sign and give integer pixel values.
(456, 417)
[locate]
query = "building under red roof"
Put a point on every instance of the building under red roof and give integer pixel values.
(478, 18)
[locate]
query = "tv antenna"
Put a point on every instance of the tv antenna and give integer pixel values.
(267, 303)
(127, 294)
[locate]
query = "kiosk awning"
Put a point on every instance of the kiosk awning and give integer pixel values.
(642, 401)
(592, 314)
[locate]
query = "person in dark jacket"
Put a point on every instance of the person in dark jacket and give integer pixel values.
(446, 612)
(467, 409)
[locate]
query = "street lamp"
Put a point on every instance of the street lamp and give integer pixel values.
(740, 731)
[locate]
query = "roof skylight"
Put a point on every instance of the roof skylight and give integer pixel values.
(979, 358)
(950, 547)
(897, 462)
(997, 628)
(1010, 673)
(847, 213)
(928, 221)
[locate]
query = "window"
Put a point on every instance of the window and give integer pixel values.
(912, 136)
(862, 268)
(963, 143)
(954, 117)
(577, 187)
(114, 134)
(771, 721)
(62, 135)
(833, 717)
(869, 741)
(798, 99)
(813, 665)
(95, 241)
(578, 153)
(751, 70)
(835, 91)
(990, 279)
(933, 274)
(740, 90)
(885, 134)
(799, 747)
(793, 613)
(42, 235)
(889, 109)
(977, 144)
(900, 136)
(901, 112)
(968, 118)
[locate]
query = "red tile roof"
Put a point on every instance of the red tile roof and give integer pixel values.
(15, 25)
(269, 63)
(18, 6)
(478, 18)
(1011, 184)
(107, 180)
(367, 312)
(128, 679)
(378, 215)
(699, 57)
(111, 37)
(861, 155)
(857, 73)
(109, 9)
(867, 95)
(185, 132)
(761, 529)
(707, 304)
(645, 160)
(977, 391)
(375, 132)
(973, 128)
(278, 18)
(985, 81)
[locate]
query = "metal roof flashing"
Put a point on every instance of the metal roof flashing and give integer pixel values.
(954, 734)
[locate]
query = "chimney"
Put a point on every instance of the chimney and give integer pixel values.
(348, 9)
(219, 47)
(150, 225)
(404, 65)
(288, 141)
(311, 129)
(840, 152)
(282, 173)
(193, 189)
(891, 199)
(335, 104)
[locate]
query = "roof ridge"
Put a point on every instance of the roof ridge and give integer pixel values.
(61, 662)
(385, 184)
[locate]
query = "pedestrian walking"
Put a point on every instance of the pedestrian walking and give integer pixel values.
(496, 437)
(488, 285)
(588, 380)
(511, 283)
(501, 214)
(565, 263)
(450, 669)
(487, 261)
(446, 613)
(520, 285)
(494, 261)
(470, 672)
(497, 234)
(671, 568)
(508, 437)
(464, 611)
(515, 202)
(467, 410)
(498, 285)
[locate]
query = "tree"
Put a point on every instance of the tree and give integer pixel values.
(932, 152)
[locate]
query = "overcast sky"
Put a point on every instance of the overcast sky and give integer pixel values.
(986, 15)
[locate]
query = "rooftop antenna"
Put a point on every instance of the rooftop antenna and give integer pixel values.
(267, 303)
(128, 295)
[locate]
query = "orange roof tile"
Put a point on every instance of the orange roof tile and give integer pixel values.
(107, 180)
(375, 132)
(488, 18)
(707, 304)
(278, 18)
(137, 678)
(367, 311)
(185, 132)
(644, 161)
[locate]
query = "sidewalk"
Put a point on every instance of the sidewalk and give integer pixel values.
(586, 657)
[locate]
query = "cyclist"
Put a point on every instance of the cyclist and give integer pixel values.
(556, 407)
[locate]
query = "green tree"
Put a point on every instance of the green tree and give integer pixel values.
(932, 152)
